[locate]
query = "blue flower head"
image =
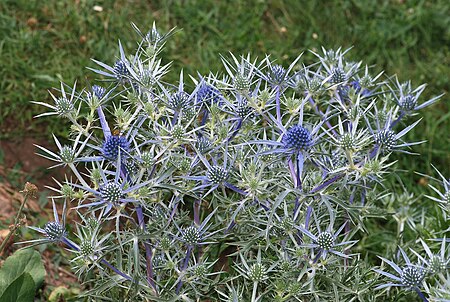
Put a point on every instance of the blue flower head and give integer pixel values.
(203, 144)
(112, 144)
(277, 74)
(297, 137)
(410, 276)
(208, 94)
(338, 75)
(359, 86)
(98, 91)
(153, 36)
(386, 139)
(121, 70)
(55, 231)
(179, 100)
(408, 102)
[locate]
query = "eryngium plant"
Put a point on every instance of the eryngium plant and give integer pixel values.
(251, 185)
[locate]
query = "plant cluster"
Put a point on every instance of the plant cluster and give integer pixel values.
(255, 184)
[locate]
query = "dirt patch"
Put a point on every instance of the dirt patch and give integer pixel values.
(19, 160)
(22, 153)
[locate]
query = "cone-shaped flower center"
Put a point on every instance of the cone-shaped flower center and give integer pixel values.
(112, 145)
(412, 276)
(298, 138)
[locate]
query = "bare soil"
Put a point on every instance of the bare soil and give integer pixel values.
(20, 159)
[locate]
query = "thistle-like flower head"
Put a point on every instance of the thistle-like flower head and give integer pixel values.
(208, 94)
(242, 83)
(297, 137)
(407, 102)
(338, 75)
(64, 106)
(111, 192)
(203, 144)
(194, 235)
(121, 70)
(325, 240)
(113, 144)
(386, 139)
(407, 98)
(257, 272)
(67, 154)
(179, 100)
(55, 231)
(97, 91)
(217, 174)
(412, 276)
(190, 235)
(277, 74)
(435, 263)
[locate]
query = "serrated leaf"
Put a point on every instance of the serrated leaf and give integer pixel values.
(22, 289)
(22, 261)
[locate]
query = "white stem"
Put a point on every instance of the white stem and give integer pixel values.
(255, 287)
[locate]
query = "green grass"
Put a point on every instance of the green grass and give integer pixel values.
(407, 38)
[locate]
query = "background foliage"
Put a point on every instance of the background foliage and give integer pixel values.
(43, 42)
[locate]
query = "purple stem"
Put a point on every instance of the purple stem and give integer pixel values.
(103, 122)
(421, 295)
(402, 114)
(296, 205)
(148, 250)
(322, 116)
(184, 267)
(308, 216)
(327, 183)
(296, 176)
(374, 152)
(230, 227)
(317, 257)
(197, 212)
(277, 100)
(235, 189)
(106, 263)
(175, 117)
(204, 117)
(363, 196)
(173, 212)
(300, 162)
(236, 130)
(292, 170)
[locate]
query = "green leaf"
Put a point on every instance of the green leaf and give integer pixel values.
(62, 293)
(22, 261)
(22, 289)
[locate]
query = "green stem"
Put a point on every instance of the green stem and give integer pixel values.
(15, 226)
(349, 155)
